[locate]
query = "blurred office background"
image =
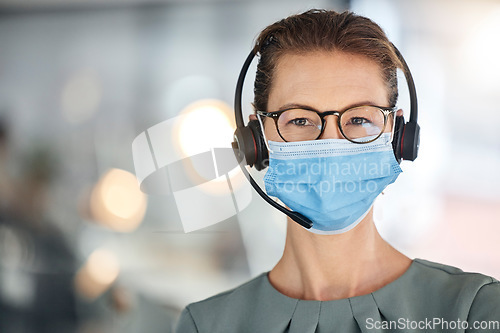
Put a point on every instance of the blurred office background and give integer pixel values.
(83, 250)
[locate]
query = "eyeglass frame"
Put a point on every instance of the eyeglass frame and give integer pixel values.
(386, 111)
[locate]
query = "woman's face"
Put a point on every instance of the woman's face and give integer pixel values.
(325, 81)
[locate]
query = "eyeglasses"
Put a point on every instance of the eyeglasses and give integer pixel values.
(360, 124)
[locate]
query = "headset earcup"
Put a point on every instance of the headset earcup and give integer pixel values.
(398, 137)
(249, 146)
(410, 141)
(244, 146)
(262, 155)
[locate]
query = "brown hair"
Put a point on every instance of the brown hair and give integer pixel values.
(322, 30)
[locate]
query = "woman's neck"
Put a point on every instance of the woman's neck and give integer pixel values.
(328, 267)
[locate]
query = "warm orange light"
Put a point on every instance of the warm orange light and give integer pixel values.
(97, 274)
(204, 125)
(117, 201)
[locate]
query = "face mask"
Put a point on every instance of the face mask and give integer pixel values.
(333, 182)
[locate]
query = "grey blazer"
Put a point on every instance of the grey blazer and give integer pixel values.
(428, 297)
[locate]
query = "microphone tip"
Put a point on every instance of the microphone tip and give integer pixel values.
(301, 219)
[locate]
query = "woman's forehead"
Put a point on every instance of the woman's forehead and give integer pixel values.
(328, 79)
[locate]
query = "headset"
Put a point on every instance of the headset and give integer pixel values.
(250, 147)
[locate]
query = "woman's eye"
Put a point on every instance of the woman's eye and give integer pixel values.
(358, 121)
(300, 122)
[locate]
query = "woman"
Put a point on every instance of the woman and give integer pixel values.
(329, 165)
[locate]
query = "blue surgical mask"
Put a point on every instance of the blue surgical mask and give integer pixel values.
(333, 182)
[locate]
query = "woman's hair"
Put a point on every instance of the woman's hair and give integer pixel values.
(322, 30)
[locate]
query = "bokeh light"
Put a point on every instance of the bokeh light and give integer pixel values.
(204, 125)
(117, 202)
(97, 274)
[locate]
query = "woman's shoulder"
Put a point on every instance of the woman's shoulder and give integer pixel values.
(430, 279)
(230, 307)
(433, 289)
(482, 286)
(426, 271)
(241, 293)
(447, 269)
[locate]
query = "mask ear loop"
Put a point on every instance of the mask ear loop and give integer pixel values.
(262, 131)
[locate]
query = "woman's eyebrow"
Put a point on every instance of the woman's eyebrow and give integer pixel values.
(295, 106)
(371, 103)
(308, 107)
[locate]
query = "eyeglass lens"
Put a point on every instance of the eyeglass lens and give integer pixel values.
(356, 124)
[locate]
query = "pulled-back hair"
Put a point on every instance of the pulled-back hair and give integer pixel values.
(322, 30)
